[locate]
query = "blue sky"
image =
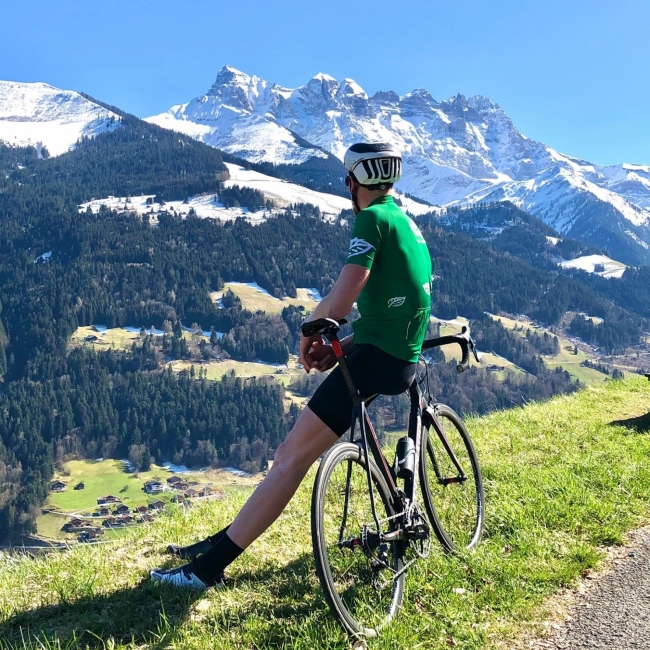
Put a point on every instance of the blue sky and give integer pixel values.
(574, 74)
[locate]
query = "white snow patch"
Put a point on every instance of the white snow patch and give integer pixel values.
(553, 240)
(588, 263)
(44, 257)
(283, 194)
(182, 469)
(236, 472)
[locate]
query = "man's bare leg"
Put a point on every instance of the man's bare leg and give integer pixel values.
(308, 439)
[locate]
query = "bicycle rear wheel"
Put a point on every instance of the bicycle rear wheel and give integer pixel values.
(453, 499)
(358, 575)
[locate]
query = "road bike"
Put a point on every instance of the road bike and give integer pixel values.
(368, 527)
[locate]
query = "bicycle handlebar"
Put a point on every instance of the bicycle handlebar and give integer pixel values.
(329, 327)
(463, 339)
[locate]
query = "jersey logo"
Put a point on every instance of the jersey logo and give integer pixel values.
(397, 301)
(416, 231)
(359, 246)
(427, 288)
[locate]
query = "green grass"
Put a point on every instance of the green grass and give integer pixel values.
(563, 480)
(255, 300)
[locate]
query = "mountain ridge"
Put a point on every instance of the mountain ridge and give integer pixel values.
(458, 151)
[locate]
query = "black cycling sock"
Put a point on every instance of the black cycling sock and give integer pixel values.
(208, 566)
(213, 539)
(190, 551)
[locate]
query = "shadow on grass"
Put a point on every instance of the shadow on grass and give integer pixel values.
(639, 424)
(150, 615)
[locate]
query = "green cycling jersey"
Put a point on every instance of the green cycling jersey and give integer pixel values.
(395, 303)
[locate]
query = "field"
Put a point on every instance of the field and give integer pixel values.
(254, 298)
(564, 480)
(565, 358)
(109, 477)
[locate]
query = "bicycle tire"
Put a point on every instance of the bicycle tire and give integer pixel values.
(359, 608)
(456, 510)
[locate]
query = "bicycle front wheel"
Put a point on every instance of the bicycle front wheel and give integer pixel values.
(452, 487)
(360, 576)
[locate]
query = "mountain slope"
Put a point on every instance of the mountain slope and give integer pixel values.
(40, 115)
(458, 151)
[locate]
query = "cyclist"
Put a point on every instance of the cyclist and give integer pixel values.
(388, 274)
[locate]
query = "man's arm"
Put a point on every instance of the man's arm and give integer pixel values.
(337, 304)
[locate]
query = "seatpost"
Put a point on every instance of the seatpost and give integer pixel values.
(333, 338)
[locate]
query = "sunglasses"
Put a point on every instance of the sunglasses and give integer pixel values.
(348, 181)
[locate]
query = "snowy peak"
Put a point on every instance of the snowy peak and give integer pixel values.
(37, 114)
(456, 151)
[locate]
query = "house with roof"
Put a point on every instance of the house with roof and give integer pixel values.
(80, 486)
(104, 512)
(154, 487)
(141, 509)
(109, 521)
(109, 498)
(122, 509)
(157, 505)
(173, 480)
(57, 486)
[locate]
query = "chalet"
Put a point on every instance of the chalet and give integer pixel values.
(205, 491)
(179, 498)
(173, 480)
(90, 534)
(57, 486)
(74, 523)
(122, 509)
(109, 521)
(109, 498)
(141, 509)
(127, 519)
(147, 518)
(80, 486)
(157, 505)
(154, 487)
(181, 485)
(191, 493)
(104, 512)
(91, 338)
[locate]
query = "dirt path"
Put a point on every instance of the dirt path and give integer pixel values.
(612, 611)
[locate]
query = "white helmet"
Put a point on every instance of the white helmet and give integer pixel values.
(376, 165)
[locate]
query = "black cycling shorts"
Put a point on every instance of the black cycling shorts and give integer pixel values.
(372, 371)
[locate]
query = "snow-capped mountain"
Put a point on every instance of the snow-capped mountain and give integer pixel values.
(456, 151)
(38, 115)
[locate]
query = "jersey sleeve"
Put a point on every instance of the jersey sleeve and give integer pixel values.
(366, 239)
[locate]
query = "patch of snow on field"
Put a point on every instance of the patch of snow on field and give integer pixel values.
(313, 294)
(205, 206)
(237, 472)
(251, 285)
(136, 330)
(553, 240)
(588, 263)
(283, 194)
(182, 469)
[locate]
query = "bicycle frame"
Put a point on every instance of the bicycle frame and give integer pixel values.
(406, 498)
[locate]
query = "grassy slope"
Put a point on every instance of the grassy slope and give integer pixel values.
(561, 482)
(254, 300)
